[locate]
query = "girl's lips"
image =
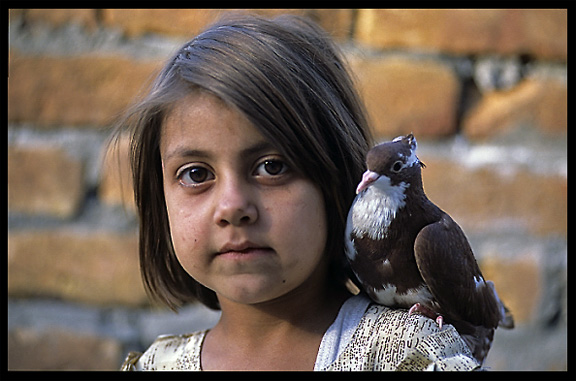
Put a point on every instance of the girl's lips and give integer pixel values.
(248, 255)
(245, 255)
(243, 248)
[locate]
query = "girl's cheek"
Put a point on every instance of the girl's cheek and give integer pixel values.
(186, 233)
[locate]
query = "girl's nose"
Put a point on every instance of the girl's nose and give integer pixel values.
(234, 204)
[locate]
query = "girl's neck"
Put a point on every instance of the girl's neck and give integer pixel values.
(280, 334)
(299, 309)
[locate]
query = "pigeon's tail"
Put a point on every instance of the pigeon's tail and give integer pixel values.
(506, 318)
(480, 342)
(479, 337)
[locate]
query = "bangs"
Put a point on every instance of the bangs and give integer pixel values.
(285, 75)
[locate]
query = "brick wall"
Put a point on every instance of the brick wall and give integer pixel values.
(485, 92)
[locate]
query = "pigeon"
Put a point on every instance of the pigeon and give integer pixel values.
(408, 253)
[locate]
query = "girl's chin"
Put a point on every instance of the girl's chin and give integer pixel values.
(253, 291)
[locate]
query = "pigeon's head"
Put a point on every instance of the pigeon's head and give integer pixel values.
(395, 160)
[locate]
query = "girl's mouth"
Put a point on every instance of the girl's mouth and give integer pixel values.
(243, 249)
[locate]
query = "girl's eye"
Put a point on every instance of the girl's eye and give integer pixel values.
(270, 168)
(191, 176)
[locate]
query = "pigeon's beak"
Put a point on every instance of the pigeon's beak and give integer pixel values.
(367, 178)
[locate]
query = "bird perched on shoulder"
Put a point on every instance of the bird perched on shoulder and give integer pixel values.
(408, 253)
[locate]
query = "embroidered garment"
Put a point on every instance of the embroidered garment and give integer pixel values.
(364, 336)
(339, 334)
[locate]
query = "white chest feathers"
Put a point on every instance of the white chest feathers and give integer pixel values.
(374, 209)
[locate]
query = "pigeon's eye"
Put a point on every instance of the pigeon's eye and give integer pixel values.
(397, 166)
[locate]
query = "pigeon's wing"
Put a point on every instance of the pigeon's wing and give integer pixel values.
(448, 267)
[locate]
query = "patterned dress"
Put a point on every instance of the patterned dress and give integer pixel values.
(383, 339)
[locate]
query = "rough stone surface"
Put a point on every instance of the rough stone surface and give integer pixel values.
(480, 199)
(87, 90)
(57, 335)
(45, 181)
(136, 22)
(406, 95)
(60, 350)
(467, 31)
(59, 17)
(541, 104)
(95, 267)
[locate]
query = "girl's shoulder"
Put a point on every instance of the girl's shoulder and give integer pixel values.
(392, 339)
(168, 352)
(383, 339)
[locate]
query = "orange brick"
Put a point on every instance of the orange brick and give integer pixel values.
(182, 22)
(430, 29)
(519, 283)
(90, 267)
(542, 33)
(59, 17)
(539, 103)
(29, 349)
(337, 22)
(44, 181)
(86, 90)
(404, 95)
(482, 199)
(189, 22)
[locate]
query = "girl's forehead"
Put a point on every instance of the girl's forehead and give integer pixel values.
(198, 104)
(203, 121)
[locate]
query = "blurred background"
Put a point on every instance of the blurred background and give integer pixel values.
(484, 91)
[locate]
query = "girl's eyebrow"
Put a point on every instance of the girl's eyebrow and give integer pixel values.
(258, 148)
(182, 152)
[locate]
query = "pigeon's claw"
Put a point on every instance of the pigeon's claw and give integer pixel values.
(440, 321)
(417, 307)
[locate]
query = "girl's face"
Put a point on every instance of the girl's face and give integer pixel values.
(242, 222)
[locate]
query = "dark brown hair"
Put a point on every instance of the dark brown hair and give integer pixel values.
(289, 79)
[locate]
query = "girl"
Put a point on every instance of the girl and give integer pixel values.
(245, 156)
